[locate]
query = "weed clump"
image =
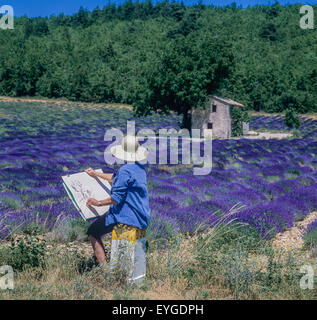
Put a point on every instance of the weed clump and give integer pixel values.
(26, 252)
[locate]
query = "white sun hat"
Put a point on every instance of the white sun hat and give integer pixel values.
(129, 150)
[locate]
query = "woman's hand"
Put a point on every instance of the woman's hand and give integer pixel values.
(91, 172)
(92, 202)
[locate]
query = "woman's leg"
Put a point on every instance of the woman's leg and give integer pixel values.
(96, 231)
(99, 249)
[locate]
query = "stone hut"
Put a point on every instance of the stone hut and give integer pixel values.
(216, 117)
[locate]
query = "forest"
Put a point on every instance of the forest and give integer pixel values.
(164, 56)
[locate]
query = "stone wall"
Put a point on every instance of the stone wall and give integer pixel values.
(245, 128)
(199, 117)
(221, 121)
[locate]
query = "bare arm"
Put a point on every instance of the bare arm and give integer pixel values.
(96, 203)
(105, 176)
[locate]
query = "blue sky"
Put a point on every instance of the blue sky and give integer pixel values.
(33, 8)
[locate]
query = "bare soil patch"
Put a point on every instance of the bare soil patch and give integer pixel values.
(267, 135)
(293, 237)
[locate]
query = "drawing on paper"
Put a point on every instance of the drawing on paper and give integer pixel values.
(80, 187)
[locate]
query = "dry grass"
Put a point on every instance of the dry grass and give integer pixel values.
(63, 276)
(62, 279)
(67, 103)
(203, 266)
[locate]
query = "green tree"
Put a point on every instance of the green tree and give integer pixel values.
(269, 31)
(126, 10)
(177, 10)
(189, 69)
(81, 18)
(96, 14)
(48, 56)
(291, 118)
(274, 10)
(109, 11)
(41, 27)
(28, 28)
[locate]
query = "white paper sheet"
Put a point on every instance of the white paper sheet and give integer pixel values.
(81, 186)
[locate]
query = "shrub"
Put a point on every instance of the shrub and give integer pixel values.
(310, 238)
(237, 274)
(292, 119)
(26, 252)
(32, 229)
(297, 134)
(238, 116)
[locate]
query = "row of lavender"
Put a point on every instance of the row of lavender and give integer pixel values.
(308, 126)
(40, 143)
(310, 236)
(275, 180)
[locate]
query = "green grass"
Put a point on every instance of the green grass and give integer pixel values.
(12, 203)
(273, 178)
(310, 239)
(225, 262)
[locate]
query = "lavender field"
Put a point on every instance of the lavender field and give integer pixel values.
(274, 180)
(308, 127)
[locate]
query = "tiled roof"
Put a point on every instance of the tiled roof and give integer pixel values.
(227, 101)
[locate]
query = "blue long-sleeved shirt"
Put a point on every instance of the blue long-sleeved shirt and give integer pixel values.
(129, 191)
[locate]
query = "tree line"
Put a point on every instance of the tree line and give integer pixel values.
(165, 56)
